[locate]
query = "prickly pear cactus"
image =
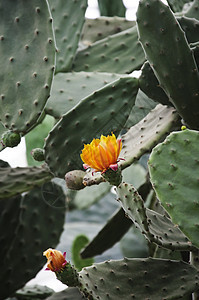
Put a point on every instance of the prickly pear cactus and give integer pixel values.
(141, 191)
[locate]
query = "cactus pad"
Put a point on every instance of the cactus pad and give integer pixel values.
(105, 110)
(144, 279)
(192, 12)
(15, 181)
(34, 292)
(113, 230)
(71, 293)
(99, 28)
(9, 216)
(27, 54)
(118, 53)
(177, 5)
(109, 235)
(174, 169)
(107, 8)
(190, 27)
(142, 137)
(90, 195)
(151, 87)
(39, 227)
(79, 243)
(68, 19)
(143, 105)
(66, 93)
(156, 227)
(175, 68)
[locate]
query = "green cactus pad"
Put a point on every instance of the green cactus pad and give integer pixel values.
(144, 279)
(113, 230)
(156, 227)
(66, 93)
(171, 58)
(27, 54)
(151, 87)
(177, 5)
(167, 254)
(39, 227)
(99, 28)
(100, 113)
(68, 275)
(70, 293)
(143, 105)
(4, 164)
(2, 131)
(142, 137)
(78, 244)
(192, 12)
(34, 292)
(9, 216)
(173, 167)
(15, 181)
(90, 195)
(109, 235)
(190, 27)
(68, 19)
(195, 50)
(118, 53)
(107, 8)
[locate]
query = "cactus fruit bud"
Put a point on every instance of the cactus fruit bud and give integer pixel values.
(74, 179)
(11, 139)
(57, 263)
(183, 127)
(38, 154)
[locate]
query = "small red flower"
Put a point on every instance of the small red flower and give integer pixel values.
(102, 154)
(56, 260)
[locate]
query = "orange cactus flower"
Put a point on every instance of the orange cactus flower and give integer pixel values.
(56, 260)
(102, 154)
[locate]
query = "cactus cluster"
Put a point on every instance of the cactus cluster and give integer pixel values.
(66, 83)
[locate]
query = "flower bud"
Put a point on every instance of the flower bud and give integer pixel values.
(57, 263)
(56, 260)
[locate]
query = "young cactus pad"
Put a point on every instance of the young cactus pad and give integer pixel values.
(156, 227)
(174, 169)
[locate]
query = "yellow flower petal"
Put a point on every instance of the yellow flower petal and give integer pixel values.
(101, 153)
(56, 259)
